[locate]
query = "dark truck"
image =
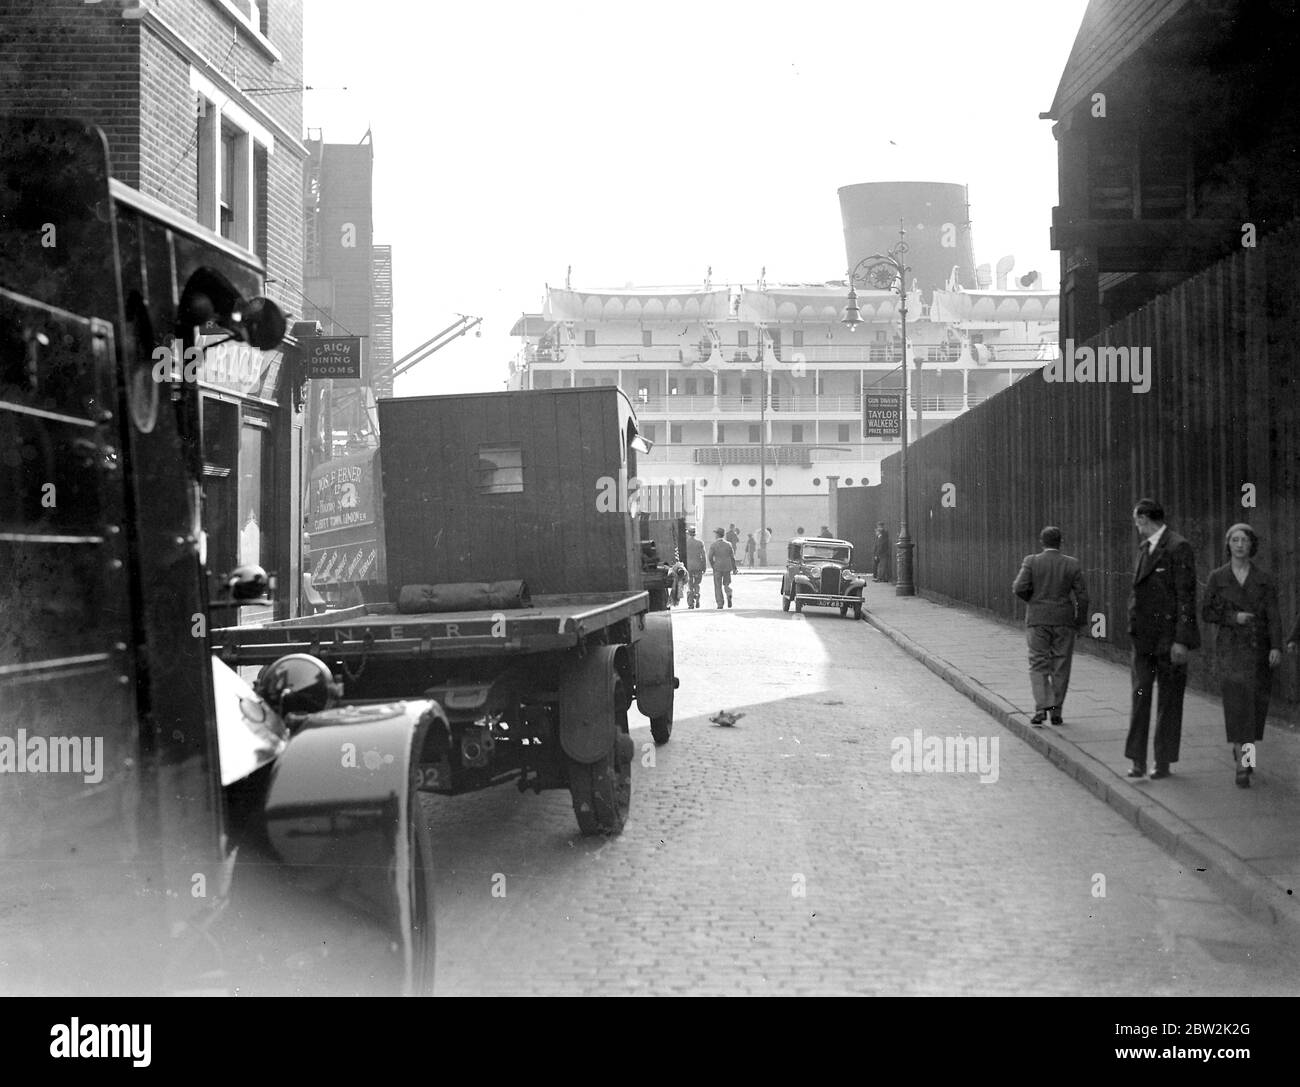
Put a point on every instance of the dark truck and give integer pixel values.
(517, 600)
(164, 827)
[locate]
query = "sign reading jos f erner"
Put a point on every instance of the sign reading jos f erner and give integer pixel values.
(335, 357)
(882, 415)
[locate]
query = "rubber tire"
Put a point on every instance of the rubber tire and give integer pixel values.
(602, 790)
(661, 728)
(798, 605)
(420, 980)
(785, 602)
(857, 611)
(844, 610)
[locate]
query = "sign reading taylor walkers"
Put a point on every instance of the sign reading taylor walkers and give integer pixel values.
(882, 415)
(336, 356)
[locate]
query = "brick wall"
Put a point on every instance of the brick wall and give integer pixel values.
(94, 61)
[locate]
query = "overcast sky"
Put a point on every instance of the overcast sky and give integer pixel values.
(643, 143)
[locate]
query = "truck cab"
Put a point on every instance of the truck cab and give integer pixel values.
(155, 809)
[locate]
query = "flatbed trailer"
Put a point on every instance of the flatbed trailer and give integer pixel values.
(537, 695)
(379, 631)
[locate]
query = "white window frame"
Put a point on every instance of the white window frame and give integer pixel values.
(215, 111)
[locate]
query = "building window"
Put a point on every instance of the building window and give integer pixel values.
(647, 431)
(226, 196)
(742, 338)
(796, 432)
(798, 337)
(843, 433)
(500, 469)
(722, 433)
(261, 182)
(691, 386)
(674, 433)
(707, 385)
(647, 338)
(232, 167)
(755, 433)
(589, 338)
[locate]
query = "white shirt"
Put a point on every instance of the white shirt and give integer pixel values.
(1154, 538)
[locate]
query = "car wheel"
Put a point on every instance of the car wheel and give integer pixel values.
(798, 605)
(857, 611)
(785, 602)
(844, 610)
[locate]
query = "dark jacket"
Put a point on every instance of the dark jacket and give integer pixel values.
(882, 545)
(1162, 603)
(721, 557)
(1241, 649)
(1052, 585)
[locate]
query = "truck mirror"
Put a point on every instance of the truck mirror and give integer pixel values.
(263, 322)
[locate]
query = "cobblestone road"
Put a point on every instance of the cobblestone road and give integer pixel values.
(786, 856)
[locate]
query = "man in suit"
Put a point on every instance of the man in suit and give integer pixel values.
(723, 561)
(1052, 585)
(1162, 625)
(696, 564)
(880, 556)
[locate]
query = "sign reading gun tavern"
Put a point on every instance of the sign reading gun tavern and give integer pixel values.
(336, 357)
(882, 415)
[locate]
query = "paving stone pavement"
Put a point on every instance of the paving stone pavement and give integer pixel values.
(1246, 840)
(786, 855)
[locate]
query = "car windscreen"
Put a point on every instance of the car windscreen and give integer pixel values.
(817, 551)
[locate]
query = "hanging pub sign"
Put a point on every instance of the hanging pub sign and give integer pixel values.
(882, 415)
(337, 357)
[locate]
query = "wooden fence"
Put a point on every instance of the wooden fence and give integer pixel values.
(1215, 438)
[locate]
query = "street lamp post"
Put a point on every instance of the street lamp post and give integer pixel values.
(762, 453)
(887, 271)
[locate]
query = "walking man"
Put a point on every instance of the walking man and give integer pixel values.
(696, 563)
(723, 560)
(751, 545)
(1162, 624)
(733, 537)
(1052, 585)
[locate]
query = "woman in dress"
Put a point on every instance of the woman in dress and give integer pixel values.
(1241, 602)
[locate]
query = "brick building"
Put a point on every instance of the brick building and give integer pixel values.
(198, 99)
(201, 103)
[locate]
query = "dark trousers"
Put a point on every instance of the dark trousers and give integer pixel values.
(1148, 670)
(719, 580)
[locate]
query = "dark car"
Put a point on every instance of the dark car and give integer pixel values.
(819, 571)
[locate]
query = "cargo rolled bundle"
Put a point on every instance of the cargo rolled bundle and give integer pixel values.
(464, 596)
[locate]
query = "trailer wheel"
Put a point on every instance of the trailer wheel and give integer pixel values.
(602, 790)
